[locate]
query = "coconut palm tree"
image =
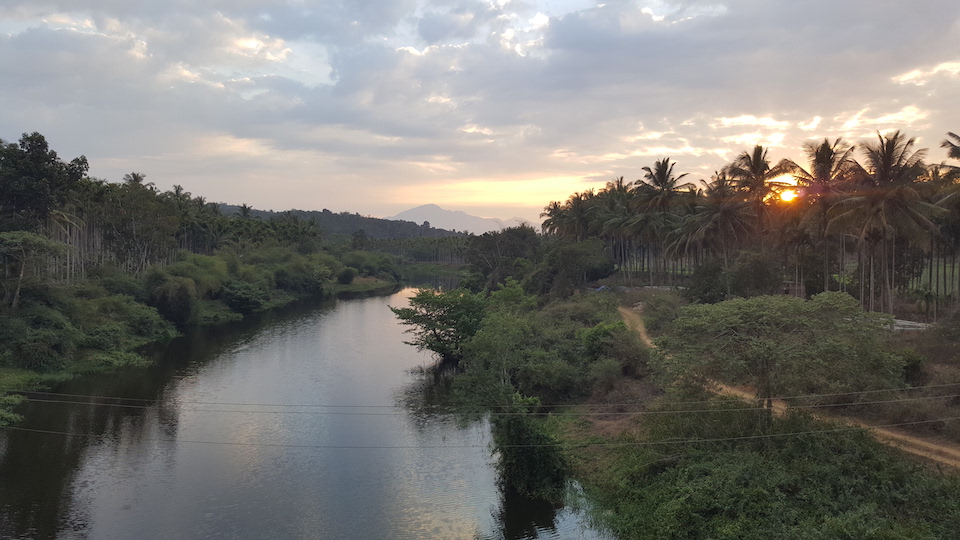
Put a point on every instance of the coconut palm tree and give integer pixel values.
(752, 173)
(659, 188)
(887, 202)
(953, 147)
(831, 166)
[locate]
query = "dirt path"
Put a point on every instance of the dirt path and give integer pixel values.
(939, 452)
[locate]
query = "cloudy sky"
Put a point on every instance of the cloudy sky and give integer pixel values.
(495, 107)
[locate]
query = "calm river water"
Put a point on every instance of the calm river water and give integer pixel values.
(297, 425)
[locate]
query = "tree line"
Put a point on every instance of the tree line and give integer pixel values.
(872, 219)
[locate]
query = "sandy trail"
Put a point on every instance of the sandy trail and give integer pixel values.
(939, 452)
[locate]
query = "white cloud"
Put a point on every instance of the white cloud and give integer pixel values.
(395, 91)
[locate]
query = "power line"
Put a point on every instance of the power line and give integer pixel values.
(333, 406)
(556, 414)
(411, 447)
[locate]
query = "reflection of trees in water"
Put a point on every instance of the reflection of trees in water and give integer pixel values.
(521, 518)
(431, 400)
(38, 471)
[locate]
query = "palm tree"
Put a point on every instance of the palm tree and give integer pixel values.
(831, 166)
(752, 173)
(888, 202)
(659, 188)
(953, 147)
(720, 222)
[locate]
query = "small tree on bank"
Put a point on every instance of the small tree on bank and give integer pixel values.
(442, 321)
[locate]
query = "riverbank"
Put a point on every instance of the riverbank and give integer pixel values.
(126, 326)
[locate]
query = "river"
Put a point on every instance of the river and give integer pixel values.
(302, 423)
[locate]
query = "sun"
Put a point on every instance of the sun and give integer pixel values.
(788, 195)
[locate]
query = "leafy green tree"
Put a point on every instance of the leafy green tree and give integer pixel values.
(783, 345)
(442, 322)
(22, 247)
(34, 181)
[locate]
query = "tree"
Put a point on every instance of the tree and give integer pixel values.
(22, 246)
(952, 146)
(752, 173)
(831, 165)
(659, 188)
(34, 181)
(442, 321)
(887, 202)
(783, 345)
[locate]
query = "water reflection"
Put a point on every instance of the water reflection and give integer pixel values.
(282, 427)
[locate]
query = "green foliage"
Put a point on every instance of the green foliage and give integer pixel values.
(245, 297)
(175, 297)
(34, 181)
(442, 321)
(819, 484)
(41, 348)
(783, 345)
(660, 309)
(7, 403)
(568, 266)
(605, 373)
(752, 274)
(209, 274)
(347, 275)
(142, 320)
(115, 358)
(531, 460)
(495, 256)
(106, 336)
(117, 282)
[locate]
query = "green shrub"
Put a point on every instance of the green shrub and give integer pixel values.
(605, 373)
(660, 309)
(42, 350)
(347, 275)
(208, 273)
(118, 359)
(175, 297)
(245, 297)
(116, 282)
(106, 336)
(552, 380)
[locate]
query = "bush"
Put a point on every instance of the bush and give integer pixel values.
(106, 336)
(605, 373)
(244, 297)
(347, 275)
(175, 297)
(660, 310)
(42, 350)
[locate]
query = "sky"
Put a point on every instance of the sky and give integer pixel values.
(493, 107)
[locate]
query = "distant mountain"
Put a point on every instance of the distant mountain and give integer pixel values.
(456, 220)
